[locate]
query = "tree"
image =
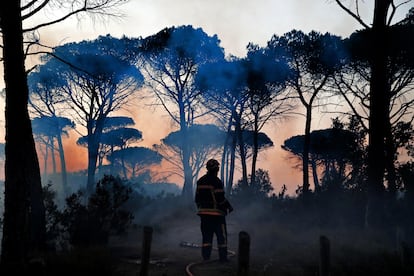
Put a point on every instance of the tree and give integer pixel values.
(255, 142)
(204, 141)
(23, 231)
(258, 190)
(135, 160)
(50, 107)
(104, 215)
(240, 94)
(267, 75)
(224, 83)
(336, 150)
(47, 130)
(314, 58)
(24, 222)
(353, 83)
(171, 59)
(115, 135)
(96, 77)
(379, 87)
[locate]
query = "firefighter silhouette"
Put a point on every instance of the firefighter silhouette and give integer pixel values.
(212, 208)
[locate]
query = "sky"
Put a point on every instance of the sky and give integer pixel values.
(236, 23)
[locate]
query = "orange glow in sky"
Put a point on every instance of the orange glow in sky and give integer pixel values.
(236, 23)
(155, 125)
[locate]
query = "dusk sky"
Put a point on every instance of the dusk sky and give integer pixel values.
(236, 23)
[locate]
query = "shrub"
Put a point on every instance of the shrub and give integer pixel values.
(90, 221)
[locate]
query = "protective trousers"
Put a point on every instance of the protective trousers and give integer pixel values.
(211, 225)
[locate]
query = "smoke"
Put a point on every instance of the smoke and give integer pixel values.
(277, 161)
(235, 23)
(76, 156)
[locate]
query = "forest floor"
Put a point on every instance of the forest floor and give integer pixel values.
(283, 242)
(275, 249)
(174, 251)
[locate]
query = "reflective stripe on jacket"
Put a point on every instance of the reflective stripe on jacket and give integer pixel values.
(210, 197)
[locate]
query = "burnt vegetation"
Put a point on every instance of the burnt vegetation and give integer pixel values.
(106, 228)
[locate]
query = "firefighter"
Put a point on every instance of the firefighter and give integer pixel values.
(212, 208)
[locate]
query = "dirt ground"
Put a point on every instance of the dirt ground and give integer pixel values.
(276, 248)
(173, 252)
(184, 261)
(170, 258)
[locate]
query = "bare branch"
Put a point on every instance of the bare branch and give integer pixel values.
(34, 11)
(356, 16)
(101, 7)
(349, 101)
(394, 9)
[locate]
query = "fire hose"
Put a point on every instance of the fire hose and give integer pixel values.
(191, 265)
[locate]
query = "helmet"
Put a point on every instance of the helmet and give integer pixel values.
(212, 164)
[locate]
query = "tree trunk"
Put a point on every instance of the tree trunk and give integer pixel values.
(188, 177)
(255, 151)
(124, 166)
(63, 165)
(24, 214)
(232, 163)
(223, 165)
(306, 146)
(93, 148)
(378, 115)
(315, 176)
(390, 149)
(187, 191)
(45, 161)
(390, 153)
(224, 156)
(240, 140)
(53, 154)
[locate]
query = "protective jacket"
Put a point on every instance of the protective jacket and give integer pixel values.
(210, 198)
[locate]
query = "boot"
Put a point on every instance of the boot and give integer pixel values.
(223, 254)
(206, 252)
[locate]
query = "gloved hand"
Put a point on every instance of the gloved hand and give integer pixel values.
(230, 209)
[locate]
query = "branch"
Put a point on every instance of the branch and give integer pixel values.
(350, 104)
(394, 9)
(351, 13)
(84, 8)
(34, 11)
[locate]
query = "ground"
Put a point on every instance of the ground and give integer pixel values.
(276, 248)
(282, 242)
(172, 252)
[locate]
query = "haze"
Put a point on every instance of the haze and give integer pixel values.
(236, 23)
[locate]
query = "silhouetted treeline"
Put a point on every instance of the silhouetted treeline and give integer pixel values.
(187, 73)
